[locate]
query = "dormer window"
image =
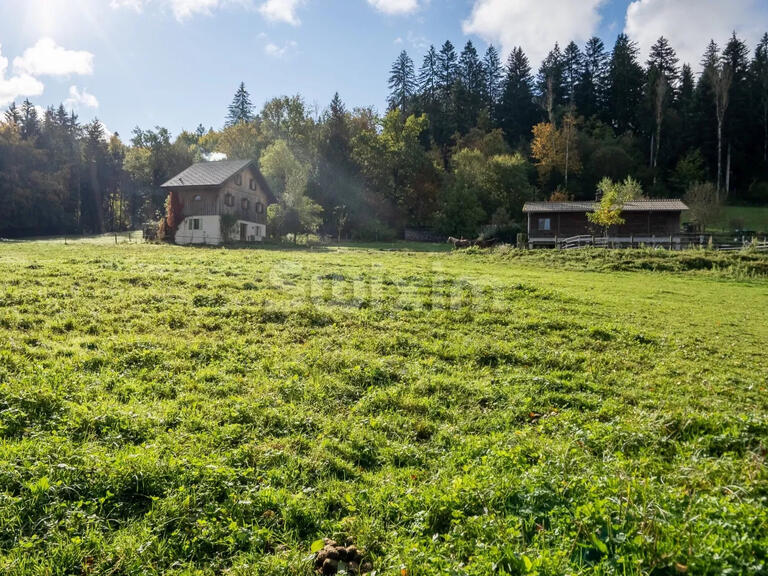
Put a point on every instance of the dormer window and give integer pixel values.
(229, 200)
(239, 179)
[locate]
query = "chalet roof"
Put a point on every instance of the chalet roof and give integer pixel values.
(652, 205)
(207, 174)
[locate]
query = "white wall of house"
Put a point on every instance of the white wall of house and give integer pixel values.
(207, 230)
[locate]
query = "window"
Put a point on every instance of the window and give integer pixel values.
(239, 179)
(229, 200)
(198, 198)
(194, 224)
(245, 204)
(259, 207)
(545, 224)
(253, 185)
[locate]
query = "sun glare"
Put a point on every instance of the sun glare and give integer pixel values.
(49, 17)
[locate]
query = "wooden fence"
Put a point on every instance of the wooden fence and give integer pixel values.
(678, 242)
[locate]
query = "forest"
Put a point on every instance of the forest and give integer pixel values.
(465, 141)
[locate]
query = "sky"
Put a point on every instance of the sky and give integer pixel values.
(177, 63)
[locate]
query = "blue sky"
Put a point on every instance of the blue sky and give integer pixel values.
(177, 63)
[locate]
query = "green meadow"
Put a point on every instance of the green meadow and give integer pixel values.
(168, 410)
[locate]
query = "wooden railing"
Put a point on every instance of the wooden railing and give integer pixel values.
(673, 242)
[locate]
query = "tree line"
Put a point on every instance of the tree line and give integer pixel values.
(466, 140)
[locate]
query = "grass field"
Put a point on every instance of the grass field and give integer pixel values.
(197, 411)
(754, 218)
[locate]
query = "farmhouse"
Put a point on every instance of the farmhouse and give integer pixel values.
(646, 221)
(220, 201)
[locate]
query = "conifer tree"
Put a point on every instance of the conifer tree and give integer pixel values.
(241, 109)
(625, 84)
(551, 83)
(12, 115)
(662, 77)
(428, 76)
(738, 121)
(759, 79)
(402, 83)
(30, 121)
(573, 65)
(591, 88)
(517, 111)
(447, 68)
(494, 73)
(470, 88)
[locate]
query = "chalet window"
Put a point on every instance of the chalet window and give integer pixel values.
(253, 186)
(545, 224)
(229, 200)
(245, 204)
(239, 179)
(259, 207)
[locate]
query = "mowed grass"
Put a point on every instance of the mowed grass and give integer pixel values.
(169, 410)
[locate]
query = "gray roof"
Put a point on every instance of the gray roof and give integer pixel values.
(653, 205)
(207, 174)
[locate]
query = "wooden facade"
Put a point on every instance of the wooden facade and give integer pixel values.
(231, 198)
(548, 221)
(209, 192)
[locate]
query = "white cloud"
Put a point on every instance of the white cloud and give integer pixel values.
(534, 24)
(689, 25)
(183, 9)
(281, 11)
(46, 58)
(78, 98)
(214, 156)
(137, 5)
(16, 86)
(272, 49)
(395, 6)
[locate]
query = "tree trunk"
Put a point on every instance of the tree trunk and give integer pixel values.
(567, 148)
(765, 131)
(653, 147)
(728, 173)
(719, 157)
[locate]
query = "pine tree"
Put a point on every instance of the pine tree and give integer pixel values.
(551, 83)
(12, 115)
(447, 67)
(517, 111)
(663, 60)
(494, 73)
(759, 79)
(738, 121)
(402, 83)
(471, 73)
(428, 76)
(30, 122)
(686, 107)
(573, 65)
(591, 89)
(337, 135)
(241, 109)
(470, 88)
(625, 85)
(662, 80)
